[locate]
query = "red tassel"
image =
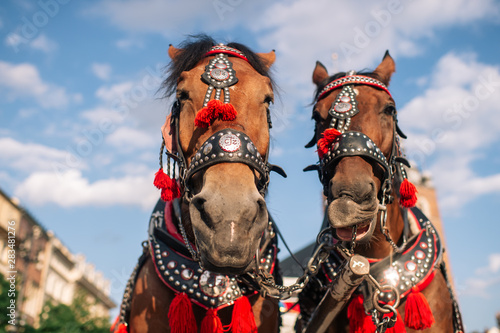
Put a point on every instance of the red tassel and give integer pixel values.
(408, 194)
(418, 314)
(180, 315)
(359, 322)
(211, 323)
(328, 136)
(122, 328)
(161, 179)
(215, 109)
(243, 320)
(169, 187)
(399, 327)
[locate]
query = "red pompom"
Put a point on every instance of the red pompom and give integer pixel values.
(203, 118)
(418, 314)
(228, 112)
(211, 323)
(408, 194)
(327, 138)
(180, 315)
(243, 320)
(161, 179)
(359, 322)
(169, 187)
(215, 109)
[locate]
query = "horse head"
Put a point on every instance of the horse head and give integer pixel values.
(358, 144)
(219, 130)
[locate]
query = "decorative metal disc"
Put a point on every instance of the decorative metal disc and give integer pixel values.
(345, 99)
(229, 143)
(342, 107)
(207, 149)
(213, 284)
(220, 65)
(219, 74)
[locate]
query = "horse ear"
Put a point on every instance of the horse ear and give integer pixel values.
(173, 52)
(320, 73)
(386, 68)
(268, 58)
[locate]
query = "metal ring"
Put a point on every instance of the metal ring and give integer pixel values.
(385, 308)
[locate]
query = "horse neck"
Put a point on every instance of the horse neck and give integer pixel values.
(379, 247)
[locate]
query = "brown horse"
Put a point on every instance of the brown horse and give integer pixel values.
(218, 137)
(361, 169)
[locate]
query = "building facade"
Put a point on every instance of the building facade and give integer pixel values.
(45, 269)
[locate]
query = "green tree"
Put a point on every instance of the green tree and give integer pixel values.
(75, 318)
(4, 301)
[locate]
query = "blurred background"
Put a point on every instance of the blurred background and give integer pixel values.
(80, 118)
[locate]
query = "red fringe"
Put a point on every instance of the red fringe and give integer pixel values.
(418, 314)
(211, 323)
(408, 194)
(243, 320)
(214, 110)
(327, 138)
(180, 315)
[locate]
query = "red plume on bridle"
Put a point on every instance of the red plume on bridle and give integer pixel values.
(327, 138)
(168, 185)
(214, 110)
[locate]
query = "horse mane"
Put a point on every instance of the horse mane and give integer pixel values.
(373, 75)
(194, 48)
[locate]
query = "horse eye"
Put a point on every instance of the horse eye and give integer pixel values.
(182, 95)
(390, 110)
(316, 116)
(269, 100)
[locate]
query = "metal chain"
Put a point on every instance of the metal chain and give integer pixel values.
(194, 254)
(270, 288)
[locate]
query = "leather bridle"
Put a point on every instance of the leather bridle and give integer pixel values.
(227, 145)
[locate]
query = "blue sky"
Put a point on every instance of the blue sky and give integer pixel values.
(80, 118)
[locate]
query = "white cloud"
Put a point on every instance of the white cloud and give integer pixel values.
(153, 15)
(71, 189)
(113, 92)
(128, 139)
(100, 114)
(481, 283)
(452, 124)
(32, 156)
(44, 44)
(23, 80)
(102, 71)
(493, 265)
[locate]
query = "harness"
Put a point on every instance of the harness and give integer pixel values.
(182, 274)
(412, 266)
